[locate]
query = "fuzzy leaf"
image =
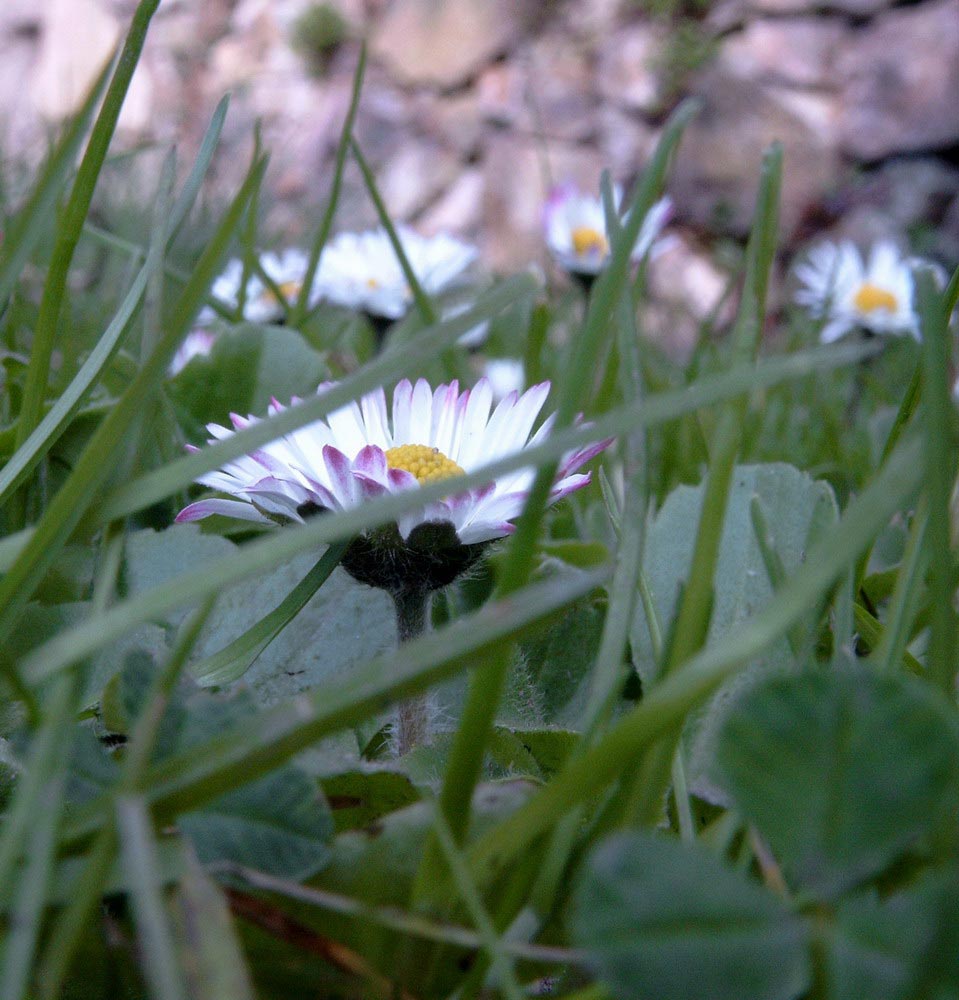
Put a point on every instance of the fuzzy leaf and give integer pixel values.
(662, 919)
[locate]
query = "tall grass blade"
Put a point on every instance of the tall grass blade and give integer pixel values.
(26, 227)
(71, 225)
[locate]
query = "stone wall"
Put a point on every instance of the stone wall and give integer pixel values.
(472, 109)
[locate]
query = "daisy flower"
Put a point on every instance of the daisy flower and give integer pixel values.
(847, 292)
(362, 272)
(575, 225)
(505, 375)
(367, 449)
(286, 270)
(197, 343)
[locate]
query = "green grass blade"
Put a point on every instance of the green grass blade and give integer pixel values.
(89, 888)
(26, 227)
(194, 181)
(890, 652)
(424, 303)
(463, 879)
(572, 394)
(140, 863)
(30, 902)
(692, 617)
(772, 562)
(46, 748)
(73, 921)
(696, 602)
(486, 688)
(96, 462)
(32, 834)
(940, 461)
(301, 306)
(71, 225)
(47, 432)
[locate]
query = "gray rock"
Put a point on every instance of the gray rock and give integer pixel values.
(900, 81)
(716, 176)
(446, 44)
(626, 70)
(795, 51)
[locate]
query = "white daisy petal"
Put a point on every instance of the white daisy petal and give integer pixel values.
(359, 453)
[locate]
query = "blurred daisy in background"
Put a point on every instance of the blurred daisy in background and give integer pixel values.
(575, 225)
(505, 375)
(366, 450)
(286, 270)
(362, 272)
(846, 292)
(197, 344)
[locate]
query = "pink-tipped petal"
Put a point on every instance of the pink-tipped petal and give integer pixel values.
(228, 508)
(340, 475)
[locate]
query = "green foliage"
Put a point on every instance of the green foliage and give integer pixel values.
(795, 506)
(659, 918)
(742, 634)
(246, 368)
(842, 772)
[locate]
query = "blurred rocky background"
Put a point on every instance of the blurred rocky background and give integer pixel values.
(472, 109)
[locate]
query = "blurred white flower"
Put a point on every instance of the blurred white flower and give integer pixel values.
(505, 375)
(575, 225)
(286, 270)
(364, 451)
(197, 343)
(846, 292)
(361, 271)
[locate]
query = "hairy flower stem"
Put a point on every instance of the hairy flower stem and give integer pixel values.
(413, 728)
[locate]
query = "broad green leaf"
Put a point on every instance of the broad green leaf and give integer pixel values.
(247, 367)
(92, 769)
(792, 502)
(841, 771)
(39, 622)
(905, 947)
(537, 753)
(278, 824)
(660, 920)
(344, 623)
(557, 662)
(357, 798)
(155, 557)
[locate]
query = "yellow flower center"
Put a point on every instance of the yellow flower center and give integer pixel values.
(428, 464)
(869, 298)
(288, 289)
(589, 240)
(372, 283)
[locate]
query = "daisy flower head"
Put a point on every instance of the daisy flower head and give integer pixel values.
(361, 270)
(368, 449)
(848, 292)
(575, 226)
(286, 270)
